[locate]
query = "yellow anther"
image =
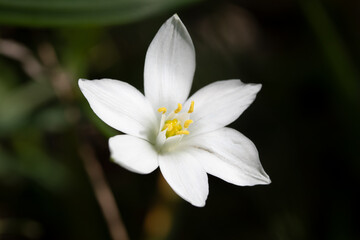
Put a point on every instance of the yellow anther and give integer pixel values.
(172, 127)
(183, 132)
(191, 109)
(179, 108)
(162, 109)
(187, 123)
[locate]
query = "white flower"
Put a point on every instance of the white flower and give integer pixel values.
(185, 137)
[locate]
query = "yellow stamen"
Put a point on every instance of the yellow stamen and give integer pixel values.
(179, 108)
(191, 109)
(187, 123)
(183, 132)
(162, 109)
(172, 127)
(175, 127)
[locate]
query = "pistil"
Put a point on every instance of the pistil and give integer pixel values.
(174, 123)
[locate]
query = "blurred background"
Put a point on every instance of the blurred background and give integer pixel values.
(56, 178)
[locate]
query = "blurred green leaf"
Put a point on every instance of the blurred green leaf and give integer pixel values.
(28, 160)
(75, 46)
(8, 78)
(334, 48)
(81, 12)
(17, 104)
(39, 168)
(51, 119)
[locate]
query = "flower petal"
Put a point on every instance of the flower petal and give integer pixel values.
(133, 153)
(185, 175)
(234, 159)
(121, 106)
(169, 65)
(219, 104)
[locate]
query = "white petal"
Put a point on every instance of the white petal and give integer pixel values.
(133, 153)
(169, 65)
(121, 106)
(185, 175)
(219, 104)
(232, 157)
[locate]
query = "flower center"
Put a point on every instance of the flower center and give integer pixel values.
(173, 128)
(176, 122)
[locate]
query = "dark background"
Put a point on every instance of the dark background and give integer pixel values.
(304, 122)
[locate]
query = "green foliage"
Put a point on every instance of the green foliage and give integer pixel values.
(17, 104)
(81, 12)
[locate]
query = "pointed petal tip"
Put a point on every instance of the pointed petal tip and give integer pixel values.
(195, 202)
(176, 16)
(200, 205)
(265, 180)
(175, 20)
(259, 86)
(262, 179)
(81, 82)
(256, 87)
(268, 180)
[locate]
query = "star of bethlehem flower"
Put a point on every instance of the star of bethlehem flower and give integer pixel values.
(185, 137)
